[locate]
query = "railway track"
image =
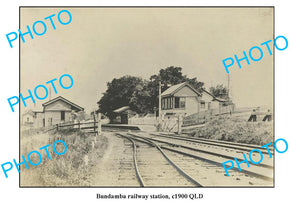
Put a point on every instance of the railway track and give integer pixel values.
(221, 143)
(153, 167)
(211, 155)
(218, 150)
(223, 150)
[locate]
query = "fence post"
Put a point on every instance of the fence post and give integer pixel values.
(94, 124)
(57, 127)
(179, 124)
(79, 125)
(99, 123)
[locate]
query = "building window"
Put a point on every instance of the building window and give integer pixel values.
(62, 116)
(177, 102)
(27, 119)
(202, 104)
(166, 103)
(182, 103)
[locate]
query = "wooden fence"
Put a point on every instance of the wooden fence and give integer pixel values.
(79, 126)
(202, 116)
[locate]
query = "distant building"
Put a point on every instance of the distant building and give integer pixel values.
(123, 114)
(28, 118)
(184, 99)
(55, 111)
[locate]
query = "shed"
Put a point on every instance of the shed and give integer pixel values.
(123, 114)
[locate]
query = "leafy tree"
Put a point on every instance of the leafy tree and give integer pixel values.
(219, 91)
(141, 99)
(195, 83)
(125, 91)
(170, 76)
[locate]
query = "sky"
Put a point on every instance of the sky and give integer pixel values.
(100, 44)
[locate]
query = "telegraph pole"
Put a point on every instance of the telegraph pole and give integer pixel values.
(159, 104)
(99, 122)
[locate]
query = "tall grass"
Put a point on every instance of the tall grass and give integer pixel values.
(74, 168)
(235, 129)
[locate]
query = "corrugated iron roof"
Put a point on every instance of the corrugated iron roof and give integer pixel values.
(173, 89)
(122, 109)
(78, 108)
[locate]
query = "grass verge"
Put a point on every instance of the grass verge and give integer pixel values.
(70, 169)
(231, 128)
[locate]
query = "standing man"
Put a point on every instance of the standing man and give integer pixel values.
(253, 116)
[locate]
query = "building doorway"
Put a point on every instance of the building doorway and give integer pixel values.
(62, 116)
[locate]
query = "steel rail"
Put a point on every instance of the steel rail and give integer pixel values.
(215, 162)
(137, 172)
(180, 170)
(211, 140)
(213, 143)
(204, 151)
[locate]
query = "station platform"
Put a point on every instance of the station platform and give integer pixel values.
(146, 128)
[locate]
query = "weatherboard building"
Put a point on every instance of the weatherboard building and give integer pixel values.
(184, 99)
(55, 111)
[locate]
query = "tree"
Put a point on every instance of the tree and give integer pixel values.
(125, 91)
(141, 99)
(195, 83)
(220, 91)
(170, 76)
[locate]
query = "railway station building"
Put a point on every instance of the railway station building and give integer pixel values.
(186, 100)
(55, 111)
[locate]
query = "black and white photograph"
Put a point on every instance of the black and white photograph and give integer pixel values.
(141, 97)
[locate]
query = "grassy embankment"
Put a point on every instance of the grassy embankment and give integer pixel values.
(74, 168)
(235, 128)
